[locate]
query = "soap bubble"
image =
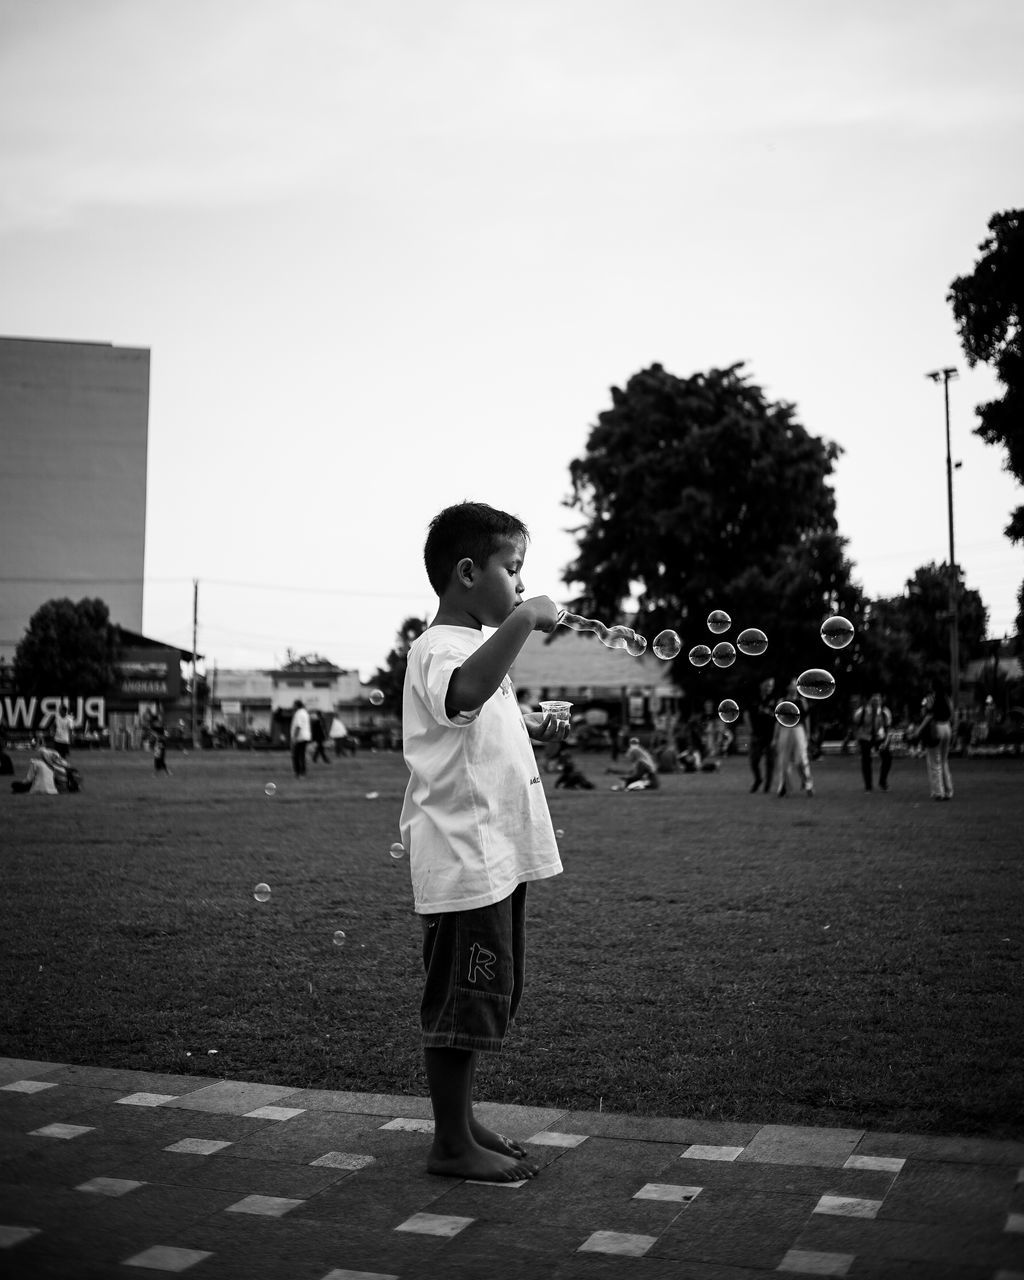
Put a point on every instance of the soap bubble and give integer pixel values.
(728, 711)
(270, 789)
(617, 637)
(815, 683)
(559, 833)
(723, 654)
(700, 655)
(397, 850)
(837, 632)
(719, 622)
(339, 938)
(666, 645)
(261, 893)
(636, 646)
(376, 698)
(787, 714)
(752, 642)
(372, 795)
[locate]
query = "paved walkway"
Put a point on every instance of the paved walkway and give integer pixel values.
(121, 1173)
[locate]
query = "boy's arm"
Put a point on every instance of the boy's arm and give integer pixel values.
(483, 671)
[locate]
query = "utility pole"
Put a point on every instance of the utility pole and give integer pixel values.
(195, 624)
(944, 376)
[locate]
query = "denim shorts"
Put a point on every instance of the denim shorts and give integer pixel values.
(475, 964)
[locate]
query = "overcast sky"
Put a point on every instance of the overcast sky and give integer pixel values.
(390, 255)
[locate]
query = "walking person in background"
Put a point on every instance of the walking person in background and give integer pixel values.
(935, 733)
(872, 723)
(300, 735)
(791, 746)
(761, 718)
(63, 729)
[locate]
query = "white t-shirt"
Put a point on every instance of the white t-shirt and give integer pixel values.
(475, 819)
(63, 727)
(300, 730)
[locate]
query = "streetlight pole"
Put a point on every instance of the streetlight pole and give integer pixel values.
(944, 376)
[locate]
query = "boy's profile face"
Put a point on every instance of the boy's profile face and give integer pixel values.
(495, 587)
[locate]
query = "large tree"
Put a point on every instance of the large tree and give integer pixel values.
(988, 306)
(904, 642)
(698, 493)
(67, 650)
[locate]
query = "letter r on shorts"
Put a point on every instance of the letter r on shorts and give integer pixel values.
(480, 961)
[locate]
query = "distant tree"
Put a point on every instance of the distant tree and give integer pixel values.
(698, 493)
(904, 644)
(67, 650)
(988, 306)
(390, 679)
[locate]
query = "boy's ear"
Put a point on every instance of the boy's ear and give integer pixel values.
(464, 572)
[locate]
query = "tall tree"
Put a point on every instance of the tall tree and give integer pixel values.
(904, 641)
(67, 650)
(698, 493)
(988, 306)
(390, 679)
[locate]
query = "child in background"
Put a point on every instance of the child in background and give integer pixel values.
(475, 819)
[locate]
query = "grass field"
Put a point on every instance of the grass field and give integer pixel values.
(853, 959)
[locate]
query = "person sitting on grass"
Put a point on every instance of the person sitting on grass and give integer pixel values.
(570, 778)
(475, 819)
(38, 778)
(643, 773)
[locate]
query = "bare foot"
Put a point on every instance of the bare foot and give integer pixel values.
(478, 1163)
(492, 1141)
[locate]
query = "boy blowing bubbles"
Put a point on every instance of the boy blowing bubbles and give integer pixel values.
(475, 819)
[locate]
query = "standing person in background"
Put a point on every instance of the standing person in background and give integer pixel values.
(319, 737)
(63, 729)
(761, 718)
(872, 724)
(300, 735)
(791, 746)
(935, 733)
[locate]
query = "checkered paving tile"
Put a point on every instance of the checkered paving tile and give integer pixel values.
(435, 1224)
(161, 1257)
(265, 1206)
(109, 1186)
(805, 1262)
(10, 1236)
(342, 1160)
(700, 1151)
(229, 1178)
(59, 1130)
(198, 1146)
(624, 1243)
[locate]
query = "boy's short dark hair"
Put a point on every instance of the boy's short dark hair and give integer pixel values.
(470, 529)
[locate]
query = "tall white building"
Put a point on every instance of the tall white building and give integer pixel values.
(74, 424)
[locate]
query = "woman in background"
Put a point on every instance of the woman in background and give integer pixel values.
(935, 733)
